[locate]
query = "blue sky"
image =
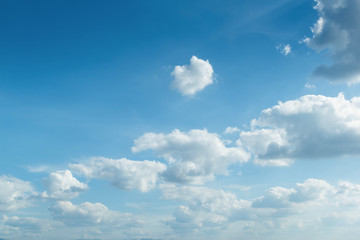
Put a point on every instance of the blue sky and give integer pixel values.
(179, 119)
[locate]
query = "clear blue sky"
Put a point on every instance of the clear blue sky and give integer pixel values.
(147, 119)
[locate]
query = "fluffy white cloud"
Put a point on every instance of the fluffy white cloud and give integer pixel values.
(88, 214)
(190, 79)
(194, 156)
(338, 29)
(206, 208)
(309, 127)
(14, 193)
(275, 197)
(63, 185)
(123, 173)
(312, 204)
(213, 200)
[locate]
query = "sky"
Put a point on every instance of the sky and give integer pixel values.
(168, 120)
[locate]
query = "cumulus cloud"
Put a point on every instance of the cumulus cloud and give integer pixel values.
(123, 173)
(190, 79)
(87, 214)
(338, 29)
(63, 185)
(310, 190)
(231, 130)
(193, 157)
(206, 208)
(313, 203)
(309, 127)
(309, 85)
(285, 49)
(15, 193)
(214, 200)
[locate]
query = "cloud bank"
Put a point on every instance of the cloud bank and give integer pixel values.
(338, 30)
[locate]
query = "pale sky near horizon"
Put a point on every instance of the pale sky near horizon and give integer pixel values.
(161, 120)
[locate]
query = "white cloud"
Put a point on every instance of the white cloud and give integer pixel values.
(87, 214)
(285, 49)
(190, 79)
(194, 156)
(206, 208)
(309, 127)
(310, 190)
(309, 85)
(307, 206)
(62, 185)
(338, 29)
(275, 197)
(202, 198)
(14, 193)
(231, 130)
(123, 173)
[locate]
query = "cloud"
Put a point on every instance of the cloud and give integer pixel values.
(88, 214)
(279, 197)
(193, 157)
(25, 225)
(15, 193)
(190, 79)
(62, 185)
(338, 29)
(312, 204)
(206, 208)
(123, 173)
(231, 130)
(213, 200)
(309, 85)
(311, 127)
(276, 197)
(285, 49)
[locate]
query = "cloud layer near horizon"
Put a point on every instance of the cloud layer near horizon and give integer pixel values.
(311, 127)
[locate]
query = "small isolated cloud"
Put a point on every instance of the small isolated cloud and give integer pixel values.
(338, 30)
(63, 185)
(231, 130)
(285, 49)
(123, 173)
(279, 197)
(313, 126)
(190, 79)
(309, 85)
(193, 157)
(15, 193)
